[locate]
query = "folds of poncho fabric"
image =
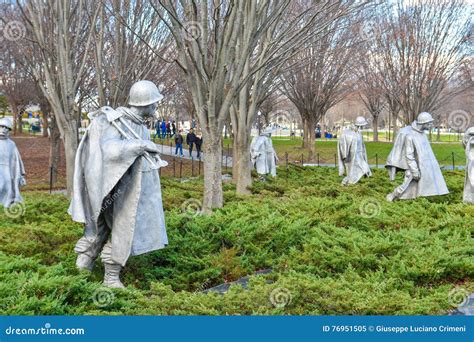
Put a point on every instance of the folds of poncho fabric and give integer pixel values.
(108, 168)
(468, 196)
(11, 173)
(352, 156)
(412, 149)
(263, 155)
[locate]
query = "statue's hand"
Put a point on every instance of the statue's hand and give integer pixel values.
(22, 181)
(150, 146)
(416, 175)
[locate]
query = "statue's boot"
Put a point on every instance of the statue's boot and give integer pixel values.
(391, 197)
(112, 276)
(84, 262)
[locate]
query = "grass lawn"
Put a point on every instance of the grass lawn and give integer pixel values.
(332, 250)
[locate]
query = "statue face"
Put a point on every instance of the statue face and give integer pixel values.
(426, 126)
(4, 132)
(148, 111)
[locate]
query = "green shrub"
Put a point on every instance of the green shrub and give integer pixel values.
(332, 250)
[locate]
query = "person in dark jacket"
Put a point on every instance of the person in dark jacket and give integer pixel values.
(198, 143)
(168, 129)
(179, 144)
(157, 129)
(173, 127)
(190, 140)
(163, 129)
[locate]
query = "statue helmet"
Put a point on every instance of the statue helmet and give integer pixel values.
(424, 118)
(6, 122)
(360, 121)
(267, 131)
(144, 93)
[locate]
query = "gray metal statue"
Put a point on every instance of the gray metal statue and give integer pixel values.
(412, 154)
(468, 142)
(12, 171)
(263, 155)
(117, 191)
(352, 154)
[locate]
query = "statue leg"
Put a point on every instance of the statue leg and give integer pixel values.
(112, 269)
(88, 248)
(399, 190)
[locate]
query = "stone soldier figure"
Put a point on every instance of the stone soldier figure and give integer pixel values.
(412, 154)
(352, 154)
(468, 142)
(117, 191)
(12, 171)
(263, 155)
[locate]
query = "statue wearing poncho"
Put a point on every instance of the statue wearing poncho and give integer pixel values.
(117, 192)
(412, 154)
(352, 155)
(468, 143)
(262, 154)
(12, 171)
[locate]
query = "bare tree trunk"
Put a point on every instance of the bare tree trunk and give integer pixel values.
(312, 139)
(45, 124)
(309, 136)
(305, 133)
(54, 148)
(20, 121)
(375, 127)
(15, 118)
(70, 148)
(241, 167)
(213, 195)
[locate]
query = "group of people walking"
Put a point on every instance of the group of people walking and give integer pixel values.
(192, 139)
(164, 129)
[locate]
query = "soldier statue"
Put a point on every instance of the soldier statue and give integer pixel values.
(262, 154)
(412, 154)
(12, 171)
(468, 142)
(352, 154)
(117, 191)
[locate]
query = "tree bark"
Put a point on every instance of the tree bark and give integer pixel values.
(45, 124)
(309, 140)
(305, 133)
(241, 166)
(15, 117)
(54, 149)
(213, 195)
(375, 127)
(70, 148)
(312, 139)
